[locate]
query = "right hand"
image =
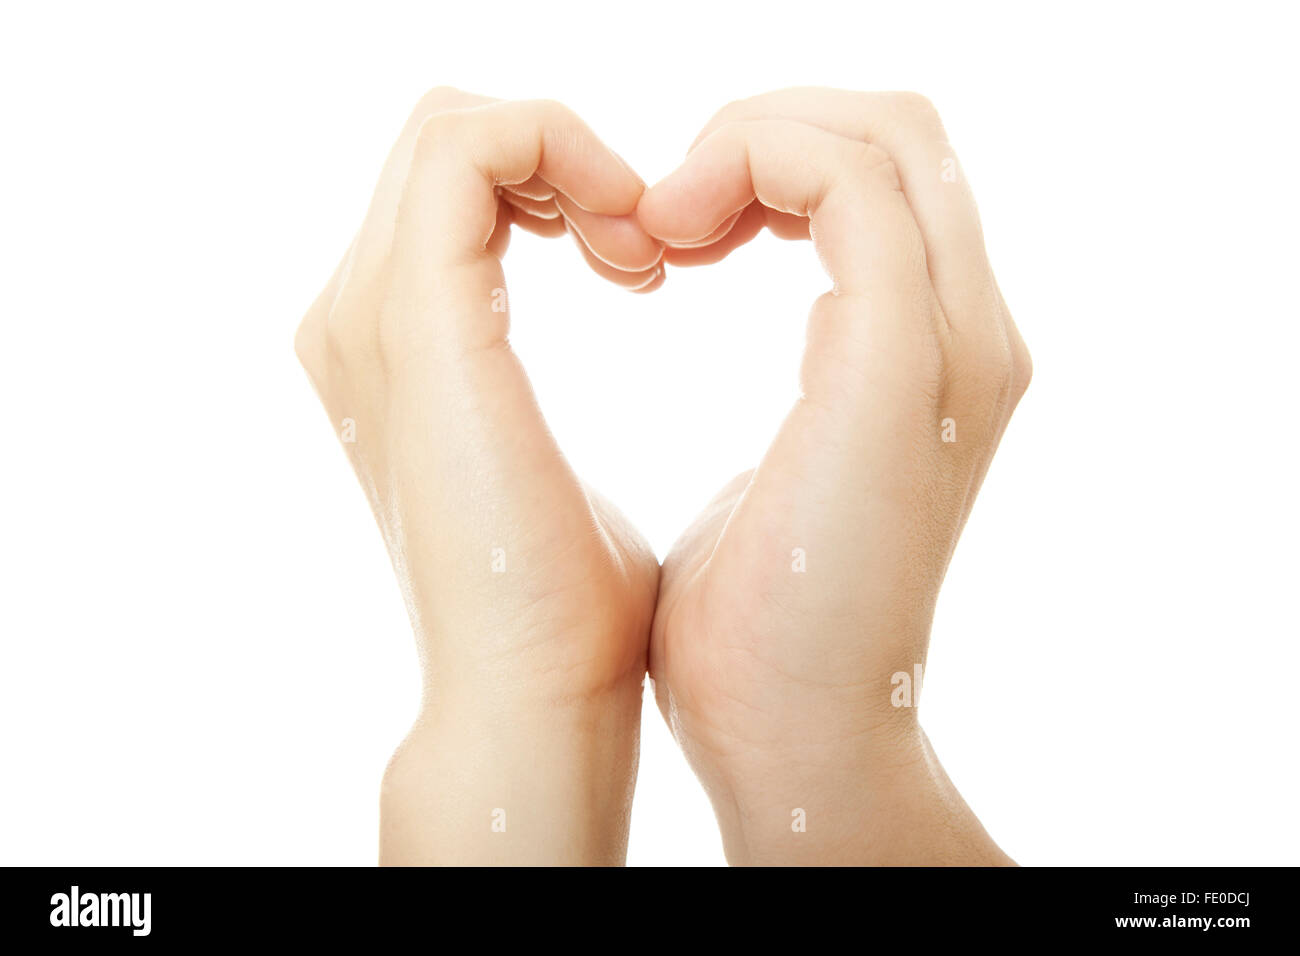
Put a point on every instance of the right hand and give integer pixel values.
(776, 680)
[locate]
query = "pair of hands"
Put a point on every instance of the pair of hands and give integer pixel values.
(779, 621)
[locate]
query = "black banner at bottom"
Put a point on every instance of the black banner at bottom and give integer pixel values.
(1226, 907)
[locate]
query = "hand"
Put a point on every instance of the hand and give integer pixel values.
(530, 597)
(809, 582)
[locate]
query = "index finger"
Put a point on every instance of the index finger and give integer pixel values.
(461, 156)
(863, 228)
(908, 128)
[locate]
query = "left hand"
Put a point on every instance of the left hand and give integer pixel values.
(530, 596)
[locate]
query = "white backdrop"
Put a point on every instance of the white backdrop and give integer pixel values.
(205, 658)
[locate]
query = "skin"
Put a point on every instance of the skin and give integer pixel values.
(777, 682)
(532, 674)
(788, 607)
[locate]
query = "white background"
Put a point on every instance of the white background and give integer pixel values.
(205, 658)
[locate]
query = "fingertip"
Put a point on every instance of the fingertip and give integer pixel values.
(632, 279)
(655, 281)
(649, 210)
(621, 241)
(633, 176)
(739, 230)
(624, 187)
(693, 204)
(664, 211)
(717, 234)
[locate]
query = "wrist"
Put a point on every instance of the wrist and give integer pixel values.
(891, 806)
(482, 781)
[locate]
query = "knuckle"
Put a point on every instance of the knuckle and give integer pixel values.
(438, 98)
(553, 111)
(874, 155)
(732, 132)
(438, 133)
(995, 370)
(1023, 367)
(985, 372)
(442, 93)
(733, 111)
(880, 164)
(918, 109)
(737, 130)
(307, 343)
(868, 166)
(736, 107)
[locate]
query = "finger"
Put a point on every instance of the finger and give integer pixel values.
(548, 227)
(744, 227)
(462, 155)
(541, 208)
(871, 354)
(625, 260)
(735, 233)
(785, 226)
(866, 235)
(376, 231)
(619, 241)
(633, 280)
(986, 360)
(719, 233)
(534, 188)
(653, 284)
(908, 128)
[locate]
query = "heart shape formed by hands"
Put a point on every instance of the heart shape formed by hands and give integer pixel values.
(784, 613)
